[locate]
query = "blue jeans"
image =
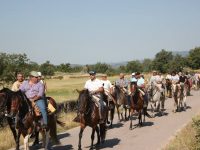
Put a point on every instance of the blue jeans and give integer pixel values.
(41, 104)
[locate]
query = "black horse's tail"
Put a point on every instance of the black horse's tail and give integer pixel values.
(103, 130)
(62, 124)
(146, 113)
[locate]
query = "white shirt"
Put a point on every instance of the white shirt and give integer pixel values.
(93, 85)
(106, 84)
(140, 82)
(169, 76)
(175, 78)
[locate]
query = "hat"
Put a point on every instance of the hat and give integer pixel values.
(133, 74)
(104, 75)
(39, 74)
(92, 72)
(137, 73)
(34, 73)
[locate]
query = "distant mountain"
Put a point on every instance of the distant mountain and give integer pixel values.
(118, 64)
(182, 53)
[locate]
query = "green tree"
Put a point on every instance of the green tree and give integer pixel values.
(194, 58)
(134, 66)
(147, 65)
(162, 60)
(177, 64)
(47, 68)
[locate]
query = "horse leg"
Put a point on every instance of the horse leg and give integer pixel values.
(53, 129)
(36, 142)
(18, 140)
(26, 145)
(118, 113)
(102, 132)
(131, 119)
(98, 135)
(112, 112)
(80, 136)
(92, 139)
(140, 118)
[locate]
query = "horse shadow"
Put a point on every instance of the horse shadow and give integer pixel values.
(118, 125)
(63, 135)
(63, 147)
(109, 143)
(159, 114)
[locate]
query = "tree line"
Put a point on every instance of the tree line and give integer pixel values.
(164, 61)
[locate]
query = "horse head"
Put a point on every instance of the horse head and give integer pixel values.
(118, 94)
(83, 100)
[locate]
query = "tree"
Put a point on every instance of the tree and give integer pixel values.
(47, 69)
(134, 66)
(11, 64)
(177, 64)
(147, 65)
(194, 58)
(161, 61)
(64, 67)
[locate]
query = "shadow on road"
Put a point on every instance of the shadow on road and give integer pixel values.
(63, 147)
(118, 125)
(109, 143)
(63, 135)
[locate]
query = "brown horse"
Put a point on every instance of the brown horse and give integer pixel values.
(20, 115)
(169, 88)
(137, 104)
(121, 101)
(89, 116)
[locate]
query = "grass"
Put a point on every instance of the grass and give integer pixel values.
(187, 138)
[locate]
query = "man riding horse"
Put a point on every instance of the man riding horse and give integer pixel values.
(95, 87)
(34, 91)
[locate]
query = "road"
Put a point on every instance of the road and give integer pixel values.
(154, 135)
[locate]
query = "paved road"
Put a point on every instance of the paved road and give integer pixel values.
(155, 134)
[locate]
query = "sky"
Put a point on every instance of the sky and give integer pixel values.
(91, 31)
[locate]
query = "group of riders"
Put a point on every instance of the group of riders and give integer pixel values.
(35, 88)
(98, 88)
(101, 90)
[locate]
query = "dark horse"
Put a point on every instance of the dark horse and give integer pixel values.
(20, 115)
(169, 88)
(121, 101)
(89, 116)
(137, 104)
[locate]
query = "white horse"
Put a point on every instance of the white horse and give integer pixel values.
(155, 97)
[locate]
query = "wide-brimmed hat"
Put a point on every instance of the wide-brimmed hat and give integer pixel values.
(39, 74)
(34, 74)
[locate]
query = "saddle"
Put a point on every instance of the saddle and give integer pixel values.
(50, 108)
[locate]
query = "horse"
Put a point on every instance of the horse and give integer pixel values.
(169, 88)
(121, 99)
(137, 104)
(10, 105)
(179, 94)
(155, 94)
(89, 116)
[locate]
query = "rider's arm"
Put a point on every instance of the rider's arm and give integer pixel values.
(40, 93)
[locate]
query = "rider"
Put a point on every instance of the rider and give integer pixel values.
(34, 90)
(42, 81)
(123, 83)
(141, 87)
(107, 86)
(95, 87)
(16, 84)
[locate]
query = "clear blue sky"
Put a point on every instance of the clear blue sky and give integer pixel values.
(90, 31)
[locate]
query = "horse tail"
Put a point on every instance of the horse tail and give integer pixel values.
(146, 113)
(103, 130)
(62, 124)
